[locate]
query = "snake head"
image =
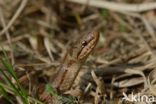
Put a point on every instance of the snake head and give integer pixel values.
(87, 45)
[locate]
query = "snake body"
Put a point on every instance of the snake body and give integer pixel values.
(74, 59)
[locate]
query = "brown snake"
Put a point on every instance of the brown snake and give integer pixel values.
(74, 59)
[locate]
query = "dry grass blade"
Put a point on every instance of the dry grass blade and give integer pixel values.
(37, 55)
(33, 42)
(100, 90)
(23, 4)
(152, 82)
(138, 72)
(117, 6)
(7, 36)
(48, 48)
(129, 82)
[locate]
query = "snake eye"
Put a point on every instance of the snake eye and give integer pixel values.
(84, 43)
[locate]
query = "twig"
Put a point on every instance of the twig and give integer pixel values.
(117, 6)
(23, 4)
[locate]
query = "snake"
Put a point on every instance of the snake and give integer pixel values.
(74, 59)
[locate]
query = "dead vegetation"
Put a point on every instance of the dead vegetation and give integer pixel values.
(36, 35)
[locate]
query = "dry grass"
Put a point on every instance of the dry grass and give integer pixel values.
(36, 34)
